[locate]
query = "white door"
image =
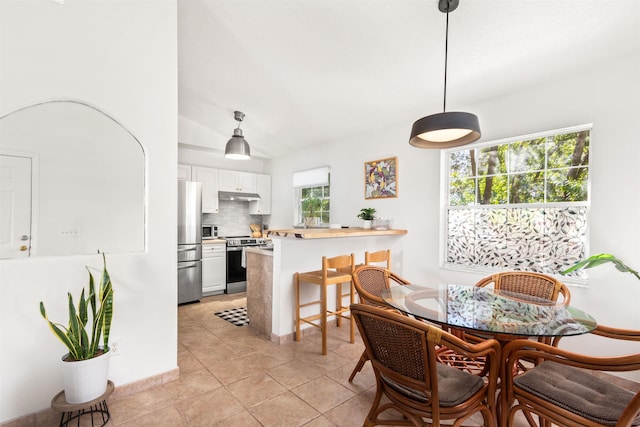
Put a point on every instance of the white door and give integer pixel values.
(15, 206)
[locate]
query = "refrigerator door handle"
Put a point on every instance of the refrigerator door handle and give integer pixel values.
(191, 248)
(184, 265)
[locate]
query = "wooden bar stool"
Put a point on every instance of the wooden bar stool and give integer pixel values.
(379, 256)
(335, 271)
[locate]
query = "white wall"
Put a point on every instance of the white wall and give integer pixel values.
(121, 57)
(607, 95)
(75, 148)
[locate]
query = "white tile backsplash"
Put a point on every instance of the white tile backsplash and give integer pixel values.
(233, 218)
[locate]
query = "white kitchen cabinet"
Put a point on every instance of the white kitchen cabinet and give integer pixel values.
(214, 268)
(236, 181)
(209, 179)
(184, 172)
(262, 206)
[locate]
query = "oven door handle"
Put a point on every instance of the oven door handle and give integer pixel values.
(234, 248)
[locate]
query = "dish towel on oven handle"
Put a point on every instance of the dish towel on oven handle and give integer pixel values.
(243, 258)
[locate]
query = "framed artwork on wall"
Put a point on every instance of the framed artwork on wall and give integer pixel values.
(381, 178)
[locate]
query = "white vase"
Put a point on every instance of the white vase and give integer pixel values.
(85, 380)
(366, 223)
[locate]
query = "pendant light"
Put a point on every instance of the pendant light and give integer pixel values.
(237, 147)
(446, 129)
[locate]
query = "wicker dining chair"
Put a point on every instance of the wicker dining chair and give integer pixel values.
(370, 281)
(537, 285)
(528, 283)
(403, 351)
(561, 390)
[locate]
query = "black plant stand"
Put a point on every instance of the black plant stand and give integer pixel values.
(97, 408)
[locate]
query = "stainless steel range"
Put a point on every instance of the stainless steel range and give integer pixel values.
(236, 261)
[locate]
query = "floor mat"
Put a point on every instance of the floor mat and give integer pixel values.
(237, 316)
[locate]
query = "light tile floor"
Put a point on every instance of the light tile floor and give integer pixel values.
(233, 378)
(230, 377)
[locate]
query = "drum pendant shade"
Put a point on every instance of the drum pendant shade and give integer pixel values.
(446, 129)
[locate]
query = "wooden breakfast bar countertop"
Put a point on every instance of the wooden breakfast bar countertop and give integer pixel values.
(326, 233)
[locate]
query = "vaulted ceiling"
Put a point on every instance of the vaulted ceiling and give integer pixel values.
(310, 71)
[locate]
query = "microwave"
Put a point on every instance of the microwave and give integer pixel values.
(209, 231)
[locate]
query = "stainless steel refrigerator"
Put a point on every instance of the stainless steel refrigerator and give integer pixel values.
(189, 241)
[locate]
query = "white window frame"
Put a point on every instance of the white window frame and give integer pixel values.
(310, 178)
(444, 199)
(298, 207)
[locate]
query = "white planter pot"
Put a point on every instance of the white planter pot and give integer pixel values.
(85, 380)
(366, 223)
(310, 222)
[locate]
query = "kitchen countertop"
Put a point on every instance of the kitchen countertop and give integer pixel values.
(325, 233)
(212, 241)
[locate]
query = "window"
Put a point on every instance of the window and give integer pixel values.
(312, 197)
(314, 204)
(519, 204)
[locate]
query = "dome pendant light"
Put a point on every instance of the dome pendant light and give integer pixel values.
(446, 129)
(237, 147)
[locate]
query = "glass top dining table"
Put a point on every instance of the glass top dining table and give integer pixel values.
(490, 311)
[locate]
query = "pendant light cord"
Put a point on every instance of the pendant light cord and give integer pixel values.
(446, 53)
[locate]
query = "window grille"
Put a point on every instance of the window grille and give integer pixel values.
(519, 204)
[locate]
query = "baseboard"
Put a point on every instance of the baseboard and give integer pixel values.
(47, 415)
(308, 331)
(145, 384)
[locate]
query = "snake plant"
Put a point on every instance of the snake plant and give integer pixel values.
(596, 260)
(76, 336)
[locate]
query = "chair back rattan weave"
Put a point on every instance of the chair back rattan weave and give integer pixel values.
(404, 352)
(529, 283)
(370, 281)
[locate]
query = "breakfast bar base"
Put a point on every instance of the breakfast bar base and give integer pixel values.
(293, 254)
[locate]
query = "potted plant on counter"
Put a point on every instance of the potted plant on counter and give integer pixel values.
(85, 367)
(310, 208)
(367, 215)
